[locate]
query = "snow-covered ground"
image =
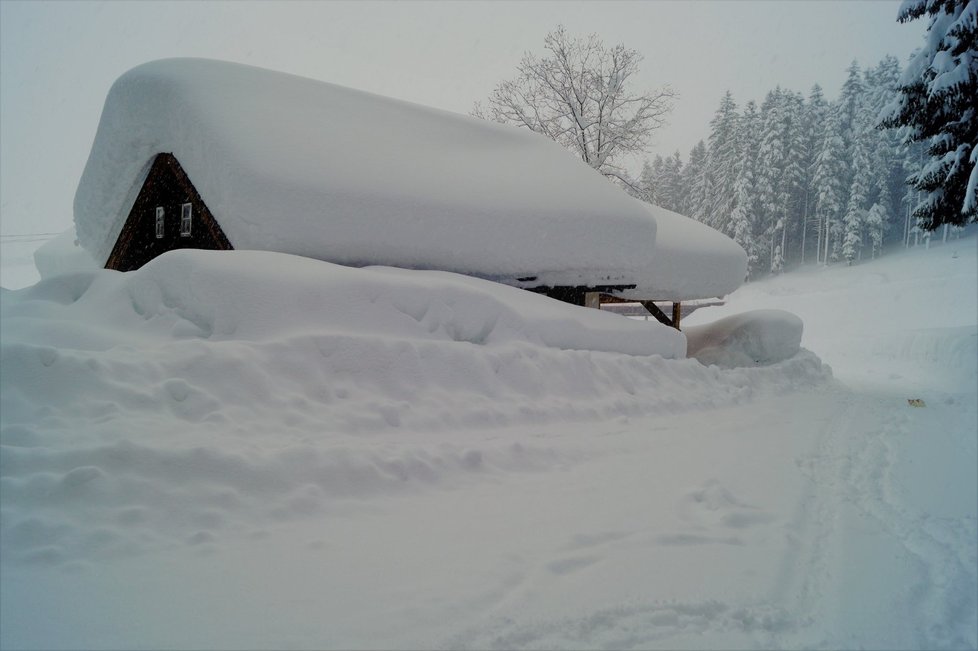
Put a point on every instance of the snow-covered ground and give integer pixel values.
(214, 460)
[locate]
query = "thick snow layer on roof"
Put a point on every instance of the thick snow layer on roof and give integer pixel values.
(690, 260)
(300, 166)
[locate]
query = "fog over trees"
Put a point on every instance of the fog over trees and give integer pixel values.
(801, 179)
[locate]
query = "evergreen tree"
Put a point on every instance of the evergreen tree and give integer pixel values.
(742, 225)
(828, 183)
(781, 171)
(794, 177)
(938, 103)
(670, 184)
(815, 116)
(644, 188)
(887, 149)
(722, 161)
(696, 183)
(770, 169)
(855, 216)
(849, 103)
(875, 220)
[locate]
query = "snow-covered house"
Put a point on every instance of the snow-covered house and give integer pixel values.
(209, 154)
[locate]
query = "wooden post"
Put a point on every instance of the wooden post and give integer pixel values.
(592, 299)
(676, 313)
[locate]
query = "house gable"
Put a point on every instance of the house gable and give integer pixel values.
(168, 214)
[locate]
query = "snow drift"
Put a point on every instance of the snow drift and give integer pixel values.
(753, 338)
(62, 255)
(131, 401)
(299, 166)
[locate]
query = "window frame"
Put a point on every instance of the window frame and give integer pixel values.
(160, 221)
(186, 219)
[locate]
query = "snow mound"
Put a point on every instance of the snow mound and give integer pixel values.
(308, 168)
(209, 393)
(262, 296)
(62, 255)
(260, 340)
(754, 338)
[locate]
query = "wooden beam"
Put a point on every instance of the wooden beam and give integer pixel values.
(657, 313)
(611, 298)
(677, 309)
(592, 299)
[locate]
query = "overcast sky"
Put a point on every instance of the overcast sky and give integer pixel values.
(58, 59)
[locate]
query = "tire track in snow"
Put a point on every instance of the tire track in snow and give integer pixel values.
(854, 471)
(944, 601)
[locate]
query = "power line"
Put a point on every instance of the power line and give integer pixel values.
(40, 236)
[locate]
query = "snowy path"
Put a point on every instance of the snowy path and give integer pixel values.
(892, 563)
(649, 532)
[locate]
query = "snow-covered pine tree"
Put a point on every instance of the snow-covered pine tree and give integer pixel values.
(742, 224)
(828, 183)
(644, 188)
(854, 219)
(722, 161)
(770, 168)
(670, 184)
(887, 150)
(938, 102)
(794, 179)
(850, 101)
(696, 183)
(813, 126)
(777, 260)
(781, 167)
(875, 220)
(863, 141)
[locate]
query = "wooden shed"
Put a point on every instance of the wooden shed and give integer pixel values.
(193, 153)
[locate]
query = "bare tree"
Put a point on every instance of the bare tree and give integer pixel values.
(578, 95)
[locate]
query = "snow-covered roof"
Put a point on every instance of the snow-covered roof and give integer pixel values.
(690, 260)
(299, 166)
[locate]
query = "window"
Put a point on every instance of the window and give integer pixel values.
(159, 222)
(186, 216)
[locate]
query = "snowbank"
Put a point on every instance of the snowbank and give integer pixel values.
(259, 296)
(754, 338)
(299, 166)
(238, 339)
(912, 309)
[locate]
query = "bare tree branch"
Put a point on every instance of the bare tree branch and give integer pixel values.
(578, 96)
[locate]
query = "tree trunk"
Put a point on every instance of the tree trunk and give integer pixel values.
(825, 256)
(818, 242)
(804, 229)
(784, 244)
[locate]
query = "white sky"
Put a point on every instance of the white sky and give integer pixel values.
(58, 59)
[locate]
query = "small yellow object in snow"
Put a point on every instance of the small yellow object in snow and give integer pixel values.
(916, 402)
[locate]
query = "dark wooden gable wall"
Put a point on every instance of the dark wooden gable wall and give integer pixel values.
(168, 187)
